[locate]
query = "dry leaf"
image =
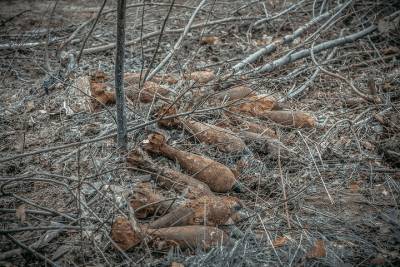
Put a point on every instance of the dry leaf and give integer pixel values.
(318, 250)
(280, 241)
(266, 40)
(30, 105)
(21, 213)
(368, 145)
(177, 264)
(385, 25)
(390, 50)
(378, 261)
(354, 187)
(210, 40)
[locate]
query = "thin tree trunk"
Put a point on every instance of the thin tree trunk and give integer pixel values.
(119, 76)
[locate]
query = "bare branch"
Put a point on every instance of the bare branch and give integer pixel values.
(178, 43)
(317, 49)
(287, 39)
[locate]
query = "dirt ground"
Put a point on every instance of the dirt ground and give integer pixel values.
(330, 197)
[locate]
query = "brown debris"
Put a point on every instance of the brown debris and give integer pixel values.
(296, 119)
(216, 175)
(177, 264)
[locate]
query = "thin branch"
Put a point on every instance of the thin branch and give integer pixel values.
(287, 39)
(178, 43)
(279, 14)
(156, 33)
(338, 76)
(296, 92)
(119, 76)
(46, 46)
(317, 49)
(34, 252)
(158, 43)
(2, 23)
(78, 58)
(105, 137)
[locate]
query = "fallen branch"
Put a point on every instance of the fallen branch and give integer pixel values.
(296, 92)
(279, 14)
(34, 252)
(105, 137)
(102, 48)
(84, 24)
(317, 49)
(78, 58)
(15, 45)
(3, 22)
(375, 98)
(178, 43)
(42, 242)
(287, 39)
